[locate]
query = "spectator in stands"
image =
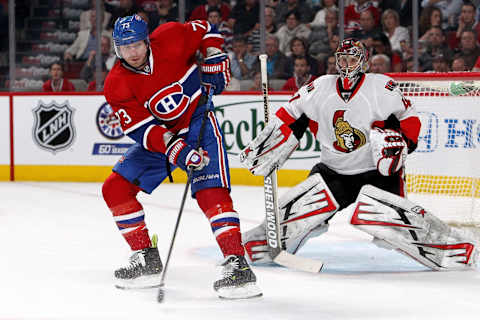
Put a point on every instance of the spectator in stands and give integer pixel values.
(319, 38)
(476, 67)
(430, 17)
(241, 62)
(368, 27)
(85, 16)
(468, 48)
(283, 9)
(458, 65)
(333, 45)
(57, 82)
(299, 49)
(270, 28)
(200, 12)
(436, 45)
(409, 66)
(380, 63)
(166, 11)
(404, 9)
(320, 17)
(331, 65)
(449, 9)
(301, 75)
(466, 21)
(393, 30)
(108, 59)
(125, 8)
(257, 83)
(380, 44)
(85, 41)
(440, 64)
(214, 17)
(276, 62)
(92, 85)
(291, 29)
(244, 17)
(353, 11)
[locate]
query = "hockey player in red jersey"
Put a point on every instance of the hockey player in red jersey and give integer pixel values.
(366, 128)
(155, 90)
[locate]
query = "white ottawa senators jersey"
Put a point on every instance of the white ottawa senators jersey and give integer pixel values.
(343, 126)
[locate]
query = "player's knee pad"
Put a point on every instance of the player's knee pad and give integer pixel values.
(397, 223)
(304, 211)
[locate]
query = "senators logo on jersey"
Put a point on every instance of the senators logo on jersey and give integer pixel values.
(169, 102)
(348, 138)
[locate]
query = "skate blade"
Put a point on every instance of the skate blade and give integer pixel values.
(247, 291)
(143, 282)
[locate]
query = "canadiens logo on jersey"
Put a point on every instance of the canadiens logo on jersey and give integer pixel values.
(53, 128)
(169, 102)
(348, 138)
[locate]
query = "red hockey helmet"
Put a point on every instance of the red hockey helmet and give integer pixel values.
(351, 58)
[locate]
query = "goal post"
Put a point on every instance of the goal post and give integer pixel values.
(443, 173)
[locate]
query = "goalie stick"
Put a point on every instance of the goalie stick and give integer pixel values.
(272, 225)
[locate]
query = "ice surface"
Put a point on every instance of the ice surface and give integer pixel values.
(59, 246)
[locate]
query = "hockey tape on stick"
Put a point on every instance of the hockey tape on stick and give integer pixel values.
(272, 224)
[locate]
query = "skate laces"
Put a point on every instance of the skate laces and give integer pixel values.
(137, 259)
(230, 264)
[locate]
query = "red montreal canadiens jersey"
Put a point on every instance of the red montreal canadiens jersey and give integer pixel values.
(171, 87)
(343, 128)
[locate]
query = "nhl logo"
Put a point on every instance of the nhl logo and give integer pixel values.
(53, 128)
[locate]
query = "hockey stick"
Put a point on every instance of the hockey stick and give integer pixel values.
(272, 224)
(161, 291)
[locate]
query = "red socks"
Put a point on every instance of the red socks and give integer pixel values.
(217, 206)
(120, 196)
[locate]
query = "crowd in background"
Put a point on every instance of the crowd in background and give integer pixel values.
(301, 36)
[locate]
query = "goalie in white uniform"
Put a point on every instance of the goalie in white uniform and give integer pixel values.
(365, 127)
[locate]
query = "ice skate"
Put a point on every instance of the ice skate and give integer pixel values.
(238, 281)
(143, 271)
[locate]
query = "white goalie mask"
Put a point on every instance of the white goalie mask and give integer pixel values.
(351, 58)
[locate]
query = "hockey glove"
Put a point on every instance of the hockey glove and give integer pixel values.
(389, 150)
(216, 72)
(184, 156)
(270, 149)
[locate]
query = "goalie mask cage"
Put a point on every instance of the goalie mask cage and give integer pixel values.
(443, 174)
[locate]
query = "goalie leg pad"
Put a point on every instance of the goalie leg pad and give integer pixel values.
(304, 211)
(398, 223)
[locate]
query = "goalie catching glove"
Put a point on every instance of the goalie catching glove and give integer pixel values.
(389, 150)
(181, 154)
(270, 149)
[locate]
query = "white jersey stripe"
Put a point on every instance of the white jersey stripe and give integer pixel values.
(221, 156)
(129, 216)
(222, 230)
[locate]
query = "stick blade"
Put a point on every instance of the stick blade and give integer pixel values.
(300, 263)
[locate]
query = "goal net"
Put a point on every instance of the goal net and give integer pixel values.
(443, 174)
